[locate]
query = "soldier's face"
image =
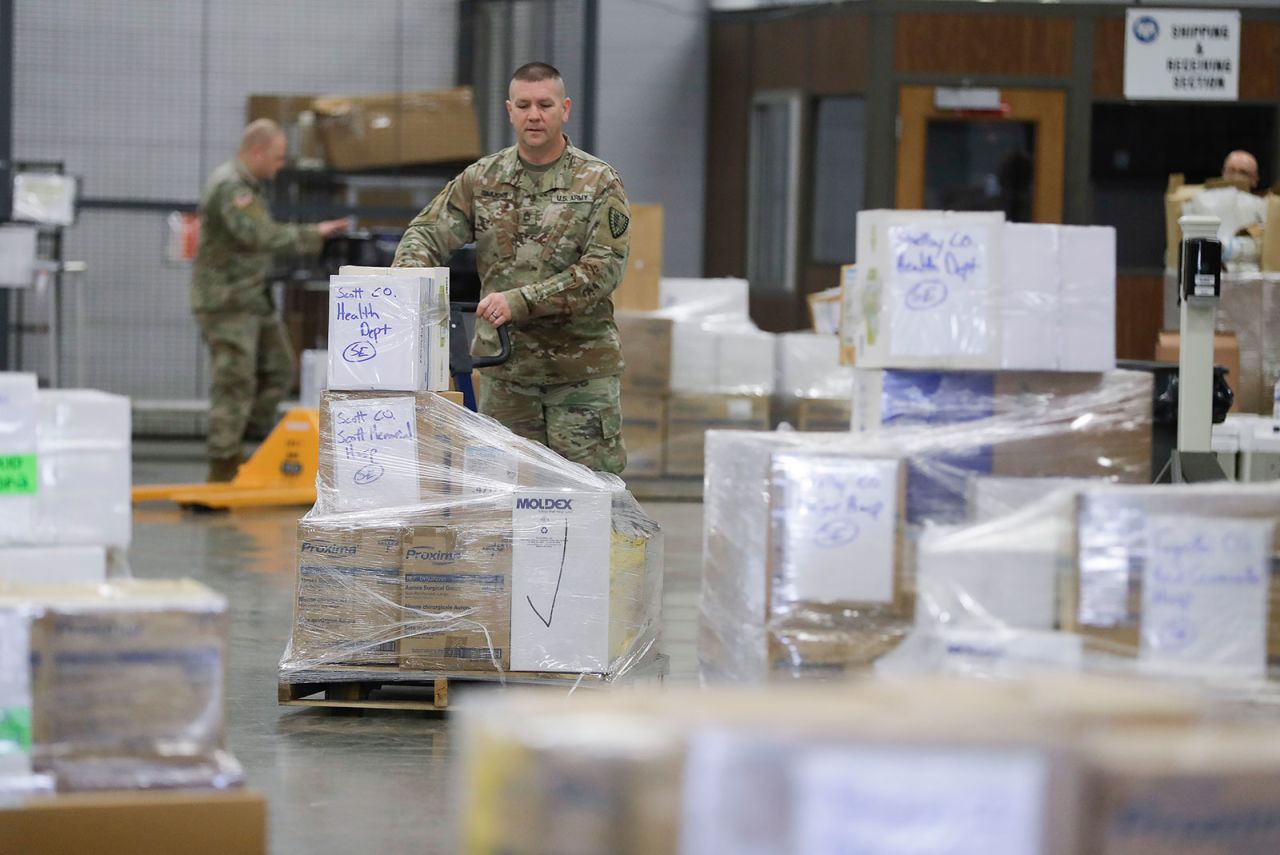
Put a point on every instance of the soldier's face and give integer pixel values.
(538, 111)
(266, 160)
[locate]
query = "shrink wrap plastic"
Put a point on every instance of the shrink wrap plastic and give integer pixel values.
(440, 542)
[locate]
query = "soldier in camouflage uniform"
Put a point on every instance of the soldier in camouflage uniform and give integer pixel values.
(551, 227)
(250, 359)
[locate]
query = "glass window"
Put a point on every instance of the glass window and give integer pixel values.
(772, 194)
(980, 166)
(839, 177)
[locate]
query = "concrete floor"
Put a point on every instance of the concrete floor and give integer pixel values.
(380, 782)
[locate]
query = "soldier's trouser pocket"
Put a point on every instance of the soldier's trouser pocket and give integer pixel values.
(584, 423)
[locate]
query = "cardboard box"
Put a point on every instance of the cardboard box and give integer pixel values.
(457, 595)
(689, 417)
(150, 822)
(824, 310)
(1121, 599)
(127, 682)
(347, 606)
(808, 366)
(1176, 194)
(1226, 352)
(821, 414)
(84, 444)
(369, 449)
(33, 565)
(639, 287)
(809, 653)
(434, 317)
(646, 349)
(722, 298)
(1271, 234)
(281, 109)
(644, 421)
(365, 132)
(850, 314)
(837, 535)
(1183, 790)
(19, 472)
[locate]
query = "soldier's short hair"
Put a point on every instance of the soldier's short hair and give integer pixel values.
(258, 133)
(532, 72)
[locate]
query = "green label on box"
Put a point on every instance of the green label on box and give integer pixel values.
(15, 727)
(17, 474)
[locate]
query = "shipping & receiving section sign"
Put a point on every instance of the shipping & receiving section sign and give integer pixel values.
(1182, 55)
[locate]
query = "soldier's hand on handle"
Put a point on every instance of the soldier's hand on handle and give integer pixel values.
(494, 309)
(329, 228)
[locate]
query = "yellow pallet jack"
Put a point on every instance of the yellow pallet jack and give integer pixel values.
(281, 472)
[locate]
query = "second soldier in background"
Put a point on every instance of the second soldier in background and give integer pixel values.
(552, 229)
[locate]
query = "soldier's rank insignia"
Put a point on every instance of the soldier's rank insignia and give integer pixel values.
(618, 223)
(242, 199)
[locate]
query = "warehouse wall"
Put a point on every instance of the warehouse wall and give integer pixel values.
(651, 114)
(143, 99)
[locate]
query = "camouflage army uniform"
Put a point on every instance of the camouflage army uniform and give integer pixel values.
(250, 359)
(555, 243)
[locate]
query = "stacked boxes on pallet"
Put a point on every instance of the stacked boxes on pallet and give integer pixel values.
(441, 543)
(1044, 767)
(117, 685)
(696, 364)
(983, 349)
(65, 479)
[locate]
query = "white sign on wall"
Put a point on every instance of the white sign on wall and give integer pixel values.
(1190, 55)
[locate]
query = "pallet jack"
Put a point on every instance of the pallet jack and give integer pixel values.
(282, 471)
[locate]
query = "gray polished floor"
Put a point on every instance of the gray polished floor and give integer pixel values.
(380, 782)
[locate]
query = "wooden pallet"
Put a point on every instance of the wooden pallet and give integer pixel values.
(361, 688)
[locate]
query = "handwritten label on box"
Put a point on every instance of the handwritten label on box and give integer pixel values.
(375, 452)
(921, 799)
(835, 527)
(938, 286)
(376, 333)
(560, 581)
(1205, 592)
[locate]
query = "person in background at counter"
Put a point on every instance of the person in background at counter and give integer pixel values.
(250, 361)
(1241, 213)
(552, 231)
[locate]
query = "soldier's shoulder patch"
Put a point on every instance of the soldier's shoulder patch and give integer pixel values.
(618, 223)
(242, 199)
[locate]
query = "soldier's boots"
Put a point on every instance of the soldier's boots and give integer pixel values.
(223, 469)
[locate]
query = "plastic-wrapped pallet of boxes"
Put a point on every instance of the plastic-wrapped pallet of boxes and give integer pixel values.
(809, 538)
(1250, 308)
(65, 482)
(701, 363)
(1173, 580)
(947, 290)
(1042, 767)
(113, 686)
(440, 543)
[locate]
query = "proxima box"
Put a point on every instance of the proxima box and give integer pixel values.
(347, 609)
(689, 417)
(457, 594)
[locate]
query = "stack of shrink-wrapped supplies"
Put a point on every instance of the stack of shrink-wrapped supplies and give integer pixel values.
(106, 682)
(984, 360)
(929, 766)
(695, 364)
(441, 543)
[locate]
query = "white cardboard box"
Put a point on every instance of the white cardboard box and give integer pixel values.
(18, 478)
(53, 564)
(386, 336)
(808, 366)
(1087, 262)
(931, 284)
(707, 298)
(314, 379)
(84, 446)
